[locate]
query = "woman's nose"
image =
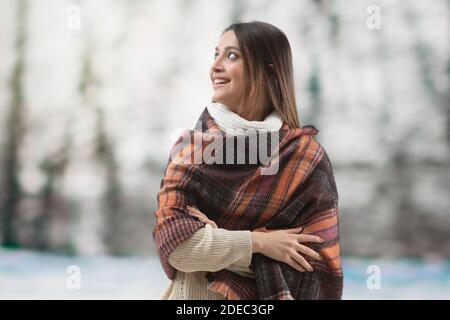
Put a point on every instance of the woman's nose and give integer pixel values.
(217, 65)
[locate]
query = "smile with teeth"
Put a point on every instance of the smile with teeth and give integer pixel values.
(221, 81)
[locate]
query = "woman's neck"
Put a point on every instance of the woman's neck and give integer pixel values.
(256, 110)
(253, 114)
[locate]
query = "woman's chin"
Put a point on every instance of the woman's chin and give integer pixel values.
(218, 98)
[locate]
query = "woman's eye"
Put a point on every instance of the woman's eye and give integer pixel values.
(230, 55)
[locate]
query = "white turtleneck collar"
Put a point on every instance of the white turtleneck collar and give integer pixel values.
(232, 123)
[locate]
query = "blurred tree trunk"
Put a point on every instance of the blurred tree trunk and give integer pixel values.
(113, 235)
(53, 168)
(14, 130)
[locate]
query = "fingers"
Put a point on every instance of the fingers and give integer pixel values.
(309, 238)
(295, 230)
(202, 218)
(194, 210)
(302, 261)
(197, 213)
(294, 264)
(199, 217)
(207, 221)
(309, 252)
(213, 224)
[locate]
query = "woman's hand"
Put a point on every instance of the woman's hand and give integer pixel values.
(285, 246)
(280, 245)
(197, 213)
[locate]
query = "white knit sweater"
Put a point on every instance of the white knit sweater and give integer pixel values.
(209, 249)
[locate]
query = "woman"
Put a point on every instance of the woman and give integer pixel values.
(241, 229)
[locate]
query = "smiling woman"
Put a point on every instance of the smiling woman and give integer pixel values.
(247, 72)
(232, 231)
(227, 72)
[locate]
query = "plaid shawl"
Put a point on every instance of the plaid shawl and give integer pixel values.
(237, 197)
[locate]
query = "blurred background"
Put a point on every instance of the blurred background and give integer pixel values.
(94, 93)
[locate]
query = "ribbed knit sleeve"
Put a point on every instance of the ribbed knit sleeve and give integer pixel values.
(210, 249)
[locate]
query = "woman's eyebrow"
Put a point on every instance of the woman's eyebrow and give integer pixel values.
(228, 47)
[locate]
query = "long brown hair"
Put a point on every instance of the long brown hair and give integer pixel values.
(267, 55)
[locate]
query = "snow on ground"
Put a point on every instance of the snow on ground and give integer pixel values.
(33, 275)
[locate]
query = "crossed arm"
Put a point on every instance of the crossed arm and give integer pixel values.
(213, 249)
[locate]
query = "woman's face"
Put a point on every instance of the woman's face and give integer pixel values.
(227, 71)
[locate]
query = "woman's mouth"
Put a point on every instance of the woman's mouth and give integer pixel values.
(220, 82)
